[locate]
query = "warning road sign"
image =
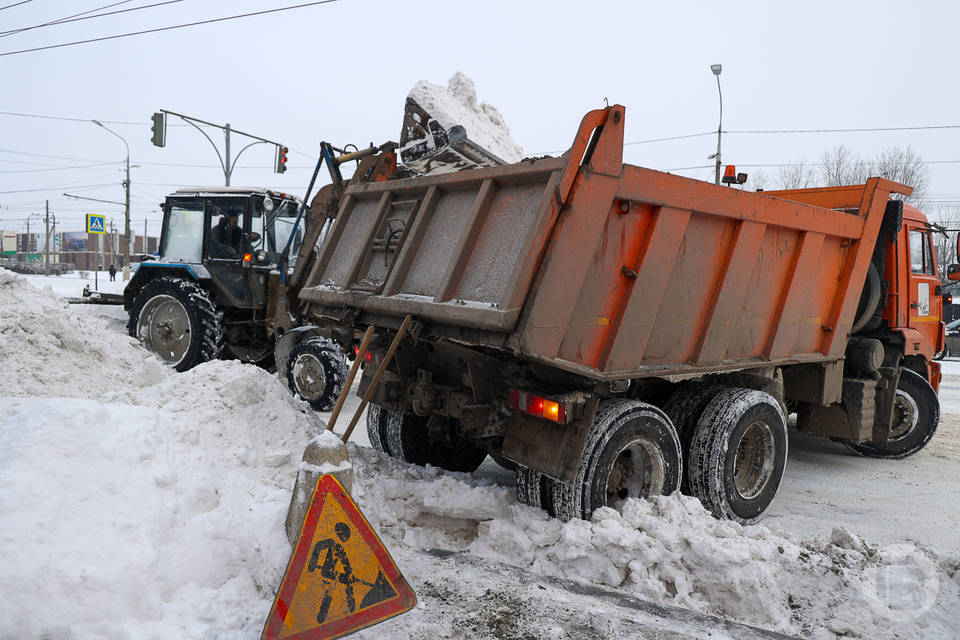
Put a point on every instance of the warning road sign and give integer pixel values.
(96, 223)
(340, 577)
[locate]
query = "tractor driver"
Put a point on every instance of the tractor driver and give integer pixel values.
(229, 233)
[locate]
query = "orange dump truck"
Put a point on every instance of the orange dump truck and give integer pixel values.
(611, 332)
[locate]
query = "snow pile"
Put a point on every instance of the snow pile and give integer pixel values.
(47, 350)
(164, 507)
(669, 550)
(456, 104)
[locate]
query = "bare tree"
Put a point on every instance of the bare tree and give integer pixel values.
(945, 244)
(798, 175)
(759, 180)
(904, 166)
(841, 166)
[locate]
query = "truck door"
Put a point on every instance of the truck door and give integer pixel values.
(924, 301)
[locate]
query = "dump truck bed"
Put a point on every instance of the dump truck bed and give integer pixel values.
(601, 268)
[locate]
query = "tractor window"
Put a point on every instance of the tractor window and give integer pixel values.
(283, 227)
(921, 257)
(184, 232)
(225, 239)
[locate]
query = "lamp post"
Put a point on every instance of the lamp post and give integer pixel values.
(716, 68)
(126, 211)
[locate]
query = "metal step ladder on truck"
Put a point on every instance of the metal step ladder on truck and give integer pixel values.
(613, 332)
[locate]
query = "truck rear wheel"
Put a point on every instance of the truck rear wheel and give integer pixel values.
(178, 321)
(632, 452)
(916, 414)
(534, 489)
(405, 436)
(684, 408)
(316, 371)
(738, 454)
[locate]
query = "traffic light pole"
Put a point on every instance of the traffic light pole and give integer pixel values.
(226, 162)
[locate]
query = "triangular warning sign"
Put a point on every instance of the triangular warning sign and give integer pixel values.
(340, 577)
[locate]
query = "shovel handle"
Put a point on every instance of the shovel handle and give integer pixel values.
(350, 376)
(401, 332)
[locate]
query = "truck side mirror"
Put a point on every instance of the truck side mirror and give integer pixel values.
(953, 272)
(958, 247)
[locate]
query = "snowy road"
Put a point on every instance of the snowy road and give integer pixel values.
(167, 492)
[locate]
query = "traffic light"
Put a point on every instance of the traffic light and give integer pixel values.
(159, 129)
(281, 159)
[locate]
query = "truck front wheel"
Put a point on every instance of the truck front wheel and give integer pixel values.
(916, 414)
(316, 371)
(632, 452)
(178, 321)
(738, 454)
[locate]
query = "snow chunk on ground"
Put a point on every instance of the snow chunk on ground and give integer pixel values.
(456, 104)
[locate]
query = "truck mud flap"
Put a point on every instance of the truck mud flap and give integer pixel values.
(553, 449)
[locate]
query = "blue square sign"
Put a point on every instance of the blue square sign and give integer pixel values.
(96, 224)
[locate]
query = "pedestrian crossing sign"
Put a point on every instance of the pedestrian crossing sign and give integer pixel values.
(96, 223)
(340, 577)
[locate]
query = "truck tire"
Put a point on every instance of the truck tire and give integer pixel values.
(316, 371)
(406, 437)
(869, 300)
(375, 431)
(916, 415)
(684, 408)
(178, 321)
(534, 489)
(738, 454)
(632, 451)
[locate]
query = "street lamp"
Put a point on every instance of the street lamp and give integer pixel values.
(126, 211)
(716, 68)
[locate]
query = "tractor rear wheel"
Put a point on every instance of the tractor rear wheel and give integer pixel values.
(178, 321)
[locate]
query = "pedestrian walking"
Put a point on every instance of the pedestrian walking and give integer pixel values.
(113, 273)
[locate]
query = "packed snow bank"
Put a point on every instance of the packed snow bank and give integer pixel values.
(456, 104)
(48, 350)
(152, 509)
(669, 550)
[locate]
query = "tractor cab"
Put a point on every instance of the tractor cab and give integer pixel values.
(208, 293)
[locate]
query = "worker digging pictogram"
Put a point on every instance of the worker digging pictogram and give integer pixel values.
(340, 577)
(335, 568)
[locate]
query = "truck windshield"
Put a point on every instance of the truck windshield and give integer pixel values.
(183, 240)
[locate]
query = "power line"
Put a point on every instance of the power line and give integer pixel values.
(850, 130)
(83, 16)
(74, 187)
(84, 120)
(176, 26)
(79, 166)
(52, 22)
(15, 4)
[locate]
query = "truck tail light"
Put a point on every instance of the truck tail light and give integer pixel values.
(367, 357)
(538, 406)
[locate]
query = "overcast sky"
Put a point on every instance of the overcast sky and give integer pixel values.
(340, 72)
